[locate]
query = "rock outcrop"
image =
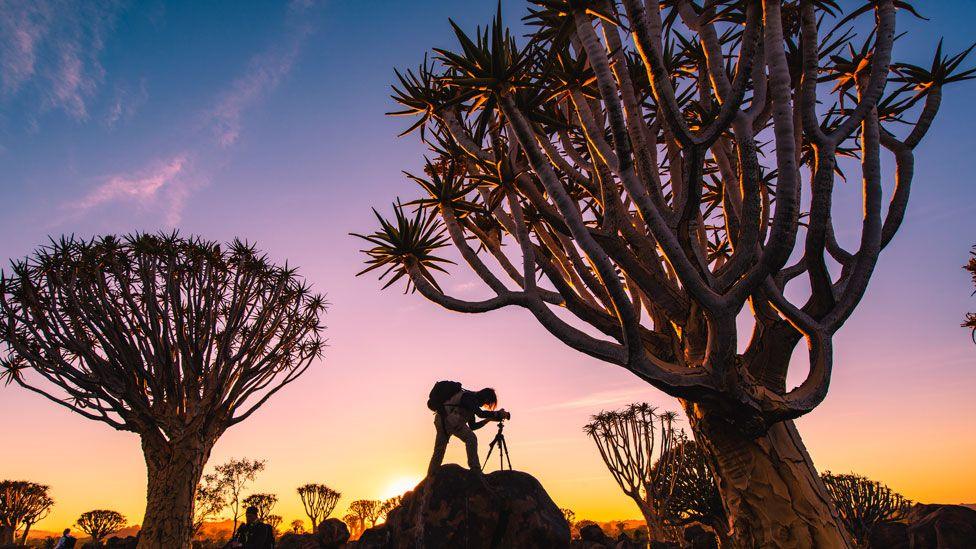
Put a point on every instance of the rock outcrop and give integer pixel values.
(453, 508)
(941, 527)
(331, 534)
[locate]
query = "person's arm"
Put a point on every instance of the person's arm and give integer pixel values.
(475, 425)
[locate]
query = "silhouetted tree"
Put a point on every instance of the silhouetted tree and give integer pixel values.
(234, 476)
(274, 521)
(569, 515)
(175, 339)
(319, 501)
(297, 526)
(100, 523)
(637, 445)
(864, 503)
(263, 502)
(971, 317)
(649, 185)
(693, 495)
(208, 501)
(22, 505)
(354, 523)
(366, 509)
(389, 505)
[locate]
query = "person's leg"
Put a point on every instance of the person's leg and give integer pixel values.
(440, 445)
(471, 446)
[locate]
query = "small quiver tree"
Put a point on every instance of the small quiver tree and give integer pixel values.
(863, 503)
(970, 321)
(319, 501)
(101, 523)
(657, 170)
(366, 510)
(22, 505)
(297, 526)
(389, 505)
(638, 445)
(264, 503)
(233, 477)
(209, 500)
(175, 339)
(693, 495)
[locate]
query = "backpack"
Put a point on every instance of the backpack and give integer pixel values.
(441, 392)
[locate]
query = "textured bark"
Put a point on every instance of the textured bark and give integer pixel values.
(773, 494)
(6, 535)
(173, 473)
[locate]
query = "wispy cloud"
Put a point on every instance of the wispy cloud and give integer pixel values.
(51, 49)
(125, 102)
(164, 186)
(600, 399)
(264, 72)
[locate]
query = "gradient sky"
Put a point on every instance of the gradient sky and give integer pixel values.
(266, 123)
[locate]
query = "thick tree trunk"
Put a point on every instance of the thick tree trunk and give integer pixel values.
(771, 490)
(173, 472)
(6, 535)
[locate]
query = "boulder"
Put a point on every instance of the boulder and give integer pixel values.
(941, 526)
(889, 535)
(376, 537)
(699, 537)
(331, 534)
(593, 533)
(453, 508)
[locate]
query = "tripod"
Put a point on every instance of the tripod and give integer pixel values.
(499, 441)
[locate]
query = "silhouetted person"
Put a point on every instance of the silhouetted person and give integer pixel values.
(456, 416)
(254, 534)
(65, 541)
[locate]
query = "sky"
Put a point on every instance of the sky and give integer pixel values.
(264, 120)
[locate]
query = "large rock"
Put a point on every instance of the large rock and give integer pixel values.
(889, 535)
(454, 509)
(941, 527)
(331, 534)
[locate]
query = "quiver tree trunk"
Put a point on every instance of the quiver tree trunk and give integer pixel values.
(6, 535)
(773, 495)
(173, 473)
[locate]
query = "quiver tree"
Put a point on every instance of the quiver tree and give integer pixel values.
(693, 495)
(319, 501)
(297, 526)
(22, 505)
(970, 321)
(863, 503)
(264, 503)
(637, 445)
(653, 168)
(366, 509)
(389, 505)
(208, 502)
(233, 477)
(100, 523)
(175, 339)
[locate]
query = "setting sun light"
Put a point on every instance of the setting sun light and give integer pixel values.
(400, 485)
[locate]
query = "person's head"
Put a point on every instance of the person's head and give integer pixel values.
(67, 531)
(251, 514)
(487, 398)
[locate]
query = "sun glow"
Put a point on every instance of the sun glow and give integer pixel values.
(399, 485)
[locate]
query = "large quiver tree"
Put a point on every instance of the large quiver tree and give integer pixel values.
(654, 183)
(175, 339)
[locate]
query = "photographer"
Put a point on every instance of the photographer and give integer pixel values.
(456, 410)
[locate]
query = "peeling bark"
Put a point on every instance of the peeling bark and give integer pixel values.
(773, 495)
(173, 474)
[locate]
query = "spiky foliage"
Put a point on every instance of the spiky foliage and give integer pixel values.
(638, 191)
(173, 338)
(970, 321)
(264, 503)
(693, 494)
(298, 526)
(366, 510)
(319, 501)
(864, 503)
(233, 477)
(22, 505)
(641, 448)
(100, 523)
(274, 521)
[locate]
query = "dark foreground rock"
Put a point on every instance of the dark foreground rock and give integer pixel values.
(454, 509)
(941, 527)
(331, 534)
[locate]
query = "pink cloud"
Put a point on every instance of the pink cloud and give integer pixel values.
(163, 186)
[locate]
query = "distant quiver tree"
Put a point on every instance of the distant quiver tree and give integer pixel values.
(663, 174)
(175, 339)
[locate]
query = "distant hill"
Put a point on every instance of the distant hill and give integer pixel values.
(217, 529)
